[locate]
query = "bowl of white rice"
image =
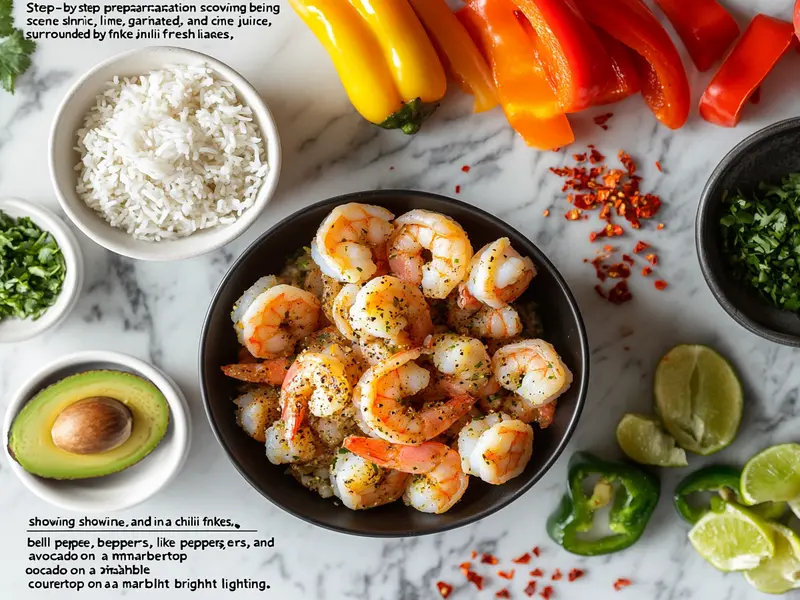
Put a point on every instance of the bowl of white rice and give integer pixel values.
(163, 153)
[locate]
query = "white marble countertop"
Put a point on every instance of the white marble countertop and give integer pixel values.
(146, 310)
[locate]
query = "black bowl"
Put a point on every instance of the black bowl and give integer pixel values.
(767, 155)
(563, 327)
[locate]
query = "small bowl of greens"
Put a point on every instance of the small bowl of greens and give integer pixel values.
(41, 270)
(748, 233)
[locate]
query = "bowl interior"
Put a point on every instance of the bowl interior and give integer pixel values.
(563, 327)
(125, 488)
(768, 155)
(64, 157)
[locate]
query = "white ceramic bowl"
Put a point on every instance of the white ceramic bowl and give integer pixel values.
(17, 330)
(119, 490)
(63, 156)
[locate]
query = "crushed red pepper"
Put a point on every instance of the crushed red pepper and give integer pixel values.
(536, 552)
(506, 574)
(640, 247)
(504, 593)
(546, 213)
(660, 226)
(445, 589)
(627, 258)
(458, 189)
(465, 568)
(530, 590)
(622, 583)
(661, 285)
(489, 559)
(474, 554)
(475, 579)
(466, 168)
(652, 259)
(556, 575)
(646, 271)
(522, 560)
(601, 120)
(658, 166)
(620, 293)
(547, 592)
(619, 271)
(536, 573)
(575, 574)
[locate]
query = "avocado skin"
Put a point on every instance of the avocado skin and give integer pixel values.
(30, 443)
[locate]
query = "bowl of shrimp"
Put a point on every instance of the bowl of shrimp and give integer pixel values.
(393, 363)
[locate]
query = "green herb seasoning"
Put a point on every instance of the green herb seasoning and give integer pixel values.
(32, 269)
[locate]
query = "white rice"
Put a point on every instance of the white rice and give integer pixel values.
(170, 153)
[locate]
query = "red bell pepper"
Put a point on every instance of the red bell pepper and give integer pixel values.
(797, 19)
(705, 27)
(573, 58)
(664, 84)
(525, 94)
(626, 81)
(763, 43)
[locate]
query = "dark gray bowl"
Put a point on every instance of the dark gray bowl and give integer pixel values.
(218, 346)
(767, 155)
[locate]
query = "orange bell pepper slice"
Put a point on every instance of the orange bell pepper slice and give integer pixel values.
(525, 94)
(626, 81)
(664, 84)
(460, 54)
(761, 46)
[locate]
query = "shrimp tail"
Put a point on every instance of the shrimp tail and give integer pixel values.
(447, 413)
(293, 415)
(272, 371)
(401, 457)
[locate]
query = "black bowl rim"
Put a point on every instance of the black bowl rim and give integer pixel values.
(375, 197)
(712, 274)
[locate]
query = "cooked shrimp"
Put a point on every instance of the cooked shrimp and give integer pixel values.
(257, 410)
(495, 448)
(332, 430)
(493, 398)
(498, 275)
(446, 241)
(382, 397)
(270, 317)
(315, 475)
(272, 371)
(361, 484)
(438, 482)
(533, 370)
(282, 450)
(391, 309)
(463, 362)
(315, 382)
(485, 322)
(340, 310)
(350, 240)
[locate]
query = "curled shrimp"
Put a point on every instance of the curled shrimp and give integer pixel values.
(361, 484)
(340, 310)
(484, 321)
(383, 394)
(498, 275)
(350, 240)
(282, 450)
(437, 483)
(270, 318)
(463, 362)
(495, 448)
(256, 410)
(445, 240)
(533, 370)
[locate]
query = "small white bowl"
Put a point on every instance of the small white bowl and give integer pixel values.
(123, 489)
(18, 330)
(63, 156)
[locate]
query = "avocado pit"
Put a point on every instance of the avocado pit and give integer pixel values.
(92, 425)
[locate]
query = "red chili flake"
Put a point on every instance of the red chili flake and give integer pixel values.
(506, 574)
(619, 271)
(458, 189)
(531, 589)
(474, 555)
(488, 559)
(504, 593)
(661, 284)
(445, 589)
(546, 213)
(556, 575)
(475, 579)
(755, 98)
(660, 226)
(601, 120)
(658, 166)
(579, 157)
(547, 592)
(522, 560)
(646, 271)
(620, 293)
(578, 573)
(627, 162)
(573, 215)
(595, 157)
(640, 247)
(627, 258)
(466, 168)
(652, 259)
(622, 583)
(537, 573)
(536, 552)
(465, 567)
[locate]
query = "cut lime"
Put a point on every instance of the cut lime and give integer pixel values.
(733, 539)
(771, 511)
(779, 574)
(699, 398)
(795, 506)
(772, 474)
(644, 440)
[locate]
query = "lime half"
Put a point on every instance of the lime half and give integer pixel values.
(772, 474)
(779, 574)
(699, 398)
(644, 440)
(733, 539)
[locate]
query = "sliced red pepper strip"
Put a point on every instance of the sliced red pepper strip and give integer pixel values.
(664, 84)
(575, 61)
(705, 27)
(763, 43)
(525, 95)
(458, 51)
(797, 19)
(626, 78)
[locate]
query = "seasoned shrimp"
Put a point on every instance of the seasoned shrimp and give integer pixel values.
(438, 482)
(391, 309)
(361, 484)
(340, 310)
(282, 450)
(495, 448)
(270, 317)
(485, 322)
(272, 371)
(350, 240)
(445, 240)
(498, 275)
(493, 398)
(463, 362)
(533, 370)
(315, 382)
(382, 397)
(256, 410)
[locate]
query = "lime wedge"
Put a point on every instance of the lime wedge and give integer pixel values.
(781, 573)
(771, 511)
(772, 474)
(699, 398)
(733, 539)
(644, 440)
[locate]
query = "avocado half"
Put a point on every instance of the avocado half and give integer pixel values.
(31, 445)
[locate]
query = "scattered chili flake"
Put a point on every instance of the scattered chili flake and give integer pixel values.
(660, 226)
(474, 555)
(658, 166)
(465, 567)
(578, 573)
(573, 215)
(458, 189)
(661, 285)
(530, 590)
(522, 560)
(608, 248)
(579, 157)
(619, 271)
(445, 589)
(620, 293)
(627, 162)
(601, 120)
(622, 583)
(646, 271)
(556, 575)
(466, 168)
(475, 579)
(755, 97)
(640, 247)
(547, 592)
(536, 573)
(546, 213)
(503, 594)
(627, 258)
(536, 552)
(488, 559)
(595, 157)
(506, 574)
(652, 259)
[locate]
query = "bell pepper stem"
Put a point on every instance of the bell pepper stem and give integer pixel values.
(409, 119)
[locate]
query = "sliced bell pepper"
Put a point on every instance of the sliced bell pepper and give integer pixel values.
(460, 54)
(763, 43)
(573, 58)
(633, 505)
(527, 99)
(705, 27)
(626, 77)
(664, 84)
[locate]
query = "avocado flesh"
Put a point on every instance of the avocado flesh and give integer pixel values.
(31, 445)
